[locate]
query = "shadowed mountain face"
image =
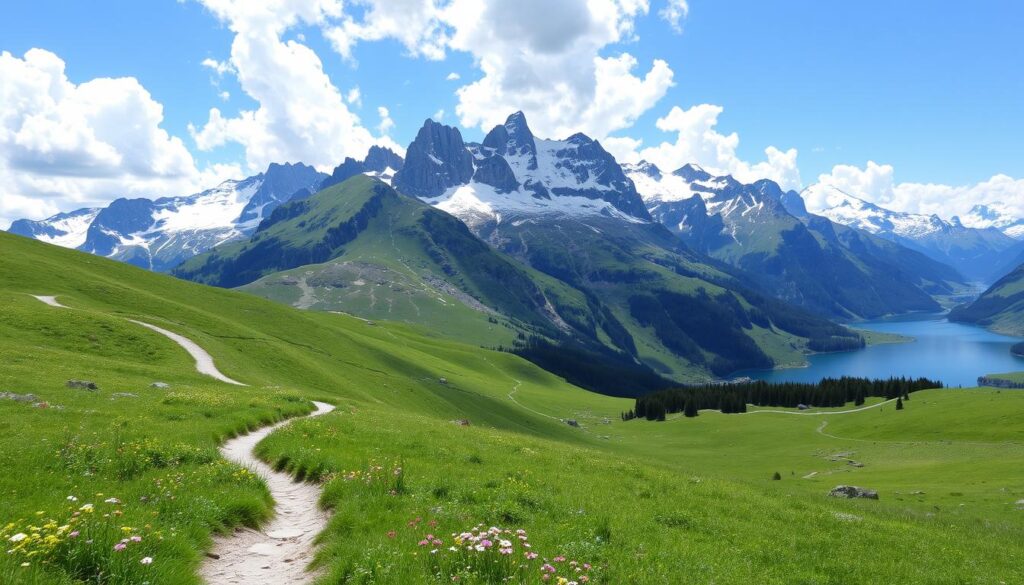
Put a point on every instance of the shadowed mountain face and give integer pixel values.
(805, 259)
(979, 254)
(1001, 307)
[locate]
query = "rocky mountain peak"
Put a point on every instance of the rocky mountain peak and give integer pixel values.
(436, 160)
(514, 138)
(691, 172)
(381, 158)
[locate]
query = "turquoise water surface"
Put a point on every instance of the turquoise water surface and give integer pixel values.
(954, 353)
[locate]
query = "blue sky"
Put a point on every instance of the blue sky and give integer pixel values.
(931, 89)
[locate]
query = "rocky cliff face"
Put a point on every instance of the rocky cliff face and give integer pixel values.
(436, 160)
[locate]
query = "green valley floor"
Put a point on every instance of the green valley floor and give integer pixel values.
(431, 439)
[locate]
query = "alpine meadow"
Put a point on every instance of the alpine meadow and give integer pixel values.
(491, 292)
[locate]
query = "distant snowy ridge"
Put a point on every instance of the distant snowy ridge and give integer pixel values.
(160, 233)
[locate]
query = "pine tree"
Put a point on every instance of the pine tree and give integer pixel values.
(899, 404)
(690, 410)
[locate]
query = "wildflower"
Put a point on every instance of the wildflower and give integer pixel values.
(120, 547)
(530, 555)
(25, 564)
(86, 508)
(505, 550)
(73, 534)
(559, 559)
(72, 499)
(147, 560)
(136, 539)
(18, 537)
(423, 542)
(391, 534)
(548, 568)
(111, 501)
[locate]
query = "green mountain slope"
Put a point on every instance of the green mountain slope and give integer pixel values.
(360, 247)
(1001, 307)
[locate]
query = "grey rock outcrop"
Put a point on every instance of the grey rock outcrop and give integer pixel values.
(436, 160)
(852, 491)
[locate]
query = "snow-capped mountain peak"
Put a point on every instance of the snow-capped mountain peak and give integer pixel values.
(160, 233)
(843, 208)
(64, 229)
(995, 215)
(513, 173)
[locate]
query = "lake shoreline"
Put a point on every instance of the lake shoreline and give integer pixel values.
(914, 345)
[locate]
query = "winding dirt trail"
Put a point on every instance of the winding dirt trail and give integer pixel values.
(204, 361)
(280, 552)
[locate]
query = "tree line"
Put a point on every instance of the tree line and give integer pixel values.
(733, 398)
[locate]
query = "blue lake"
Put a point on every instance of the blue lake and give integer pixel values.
(954, 353)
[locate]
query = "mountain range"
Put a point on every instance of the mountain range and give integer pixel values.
(553, 248)
(547, 237)
(806, 259)
(978, 254)
(159, 234)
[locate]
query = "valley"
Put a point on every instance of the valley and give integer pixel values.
(613, 494)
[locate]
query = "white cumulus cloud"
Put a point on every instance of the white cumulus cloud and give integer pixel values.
(302, 115)
(545, 58)
(698, 141)
(877, 183)
(674, 12)
(65, 145)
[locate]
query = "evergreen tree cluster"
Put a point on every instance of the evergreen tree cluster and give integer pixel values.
(733, 398)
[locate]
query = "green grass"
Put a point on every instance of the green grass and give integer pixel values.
(684, 501)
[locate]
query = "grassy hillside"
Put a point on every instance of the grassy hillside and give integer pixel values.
(687, 500)
(1000, 308)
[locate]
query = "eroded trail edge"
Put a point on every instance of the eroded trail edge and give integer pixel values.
(281, 551)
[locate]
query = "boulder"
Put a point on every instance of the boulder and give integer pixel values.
(852, 491)
(572, 422)
(123, 395)
(82, 385)
(18, 397)
(160, 385)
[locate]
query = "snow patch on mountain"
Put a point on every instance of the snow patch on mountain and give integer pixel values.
(994, 215)
(68, 230)
(477, 203)
(656, 187)
(845, 209)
